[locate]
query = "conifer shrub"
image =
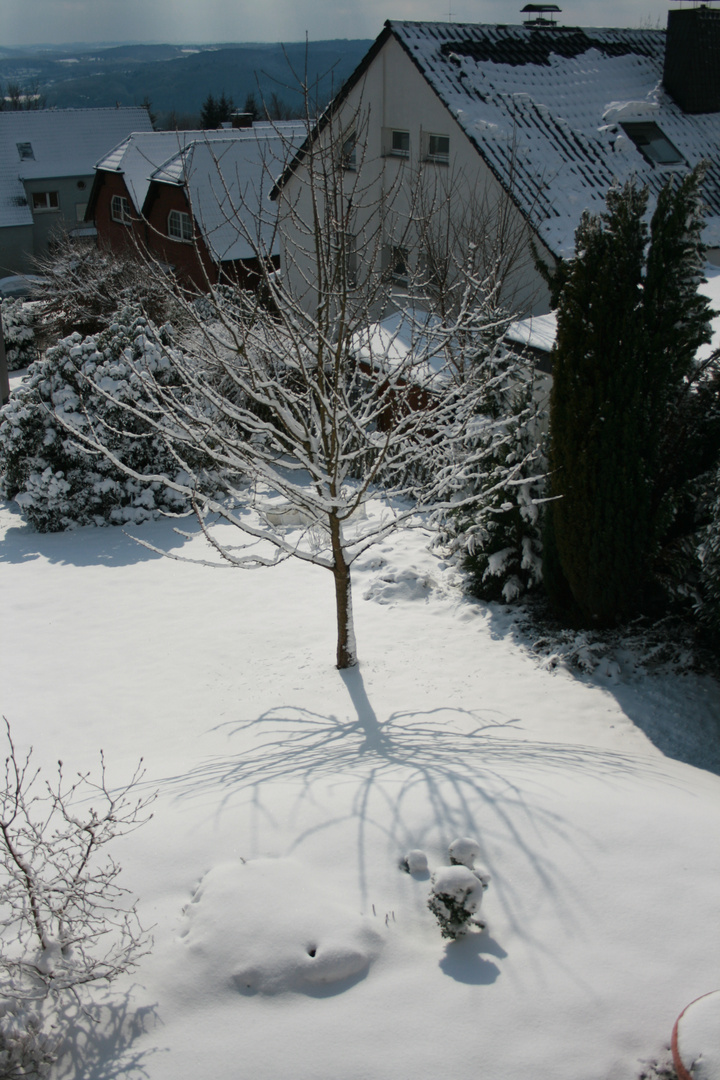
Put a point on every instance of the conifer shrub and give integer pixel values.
(19, 322)
(499, 536)
(626, 434)
(85, 382)
(455, 898)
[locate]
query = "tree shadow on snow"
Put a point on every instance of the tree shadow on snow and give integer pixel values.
(99, 1045)
(452, 761)
(91, 545)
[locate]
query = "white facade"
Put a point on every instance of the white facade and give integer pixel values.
(520, 129)
(413, 164)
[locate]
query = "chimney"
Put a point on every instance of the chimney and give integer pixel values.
(692, 59)
(242, 120)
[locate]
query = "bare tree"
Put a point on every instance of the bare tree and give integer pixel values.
(65, 920)
(299, 395)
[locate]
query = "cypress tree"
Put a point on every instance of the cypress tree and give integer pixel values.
(683, 435)
(630, 321)
(597, 471)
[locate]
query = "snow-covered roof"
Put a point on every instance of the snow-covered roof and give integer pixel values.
(543, 106)
(539, 331)
(53, 143)
(535, 332)
(141, 153)
(228, 182)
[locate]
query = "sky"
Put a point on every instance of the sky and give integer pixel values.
(25, 22)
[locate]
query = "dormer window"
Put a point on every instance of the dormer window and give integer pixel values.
(654, 146)
(25, 151)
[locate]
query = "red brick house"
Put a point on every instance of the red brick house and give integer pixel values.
(196, 201)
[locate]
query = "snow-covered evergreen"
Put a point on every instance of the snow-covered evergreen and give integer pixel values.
(499, 535)
(89, 385)
(19, 322)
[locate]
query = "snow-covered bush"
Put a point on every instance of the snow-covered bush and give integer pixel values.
(19, 322)
(65, 922)
(455, 897)
(26, 1051)
(499, 537)
(84, 383)
(82, 288)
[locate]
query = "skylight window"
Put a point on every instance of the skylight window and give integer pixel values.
(25, 151)
(652, 144)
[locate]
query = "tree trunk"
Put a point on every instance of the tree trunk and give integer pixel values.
(346, 649)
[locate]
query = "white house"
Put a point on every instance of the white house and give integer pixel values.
(532, 122)
(47, 166)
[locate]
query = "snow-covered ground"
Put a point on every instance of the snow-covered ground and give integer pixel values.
(316, 958)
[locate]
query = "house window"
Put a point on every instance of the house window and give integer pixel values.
(654, 146)
(180, 226)
(397, 263)
(120, 209)
(438, 148)
(25, 151)
(400, 144)
(348, 151)
(45, 200)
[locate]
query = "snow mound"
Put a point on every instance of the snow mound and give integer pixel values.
(395, 585)
(415, 862)
(267, 926)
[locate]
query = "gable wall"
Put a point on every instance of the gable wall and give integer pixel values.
(111, 234)
(393, 94)
(190, 261)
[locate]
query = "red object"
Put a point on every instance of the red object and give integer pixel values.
(682, 1072)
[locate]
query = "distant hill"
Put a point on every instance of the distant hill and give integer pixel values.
(179, 78)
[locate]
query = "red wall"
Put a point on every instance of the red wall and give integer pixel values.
(191, 261)
(113, 234)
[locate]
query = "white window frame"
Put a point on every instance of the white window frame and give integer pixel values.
(433, 151)
(348, 150)
(180, 227)
(392, 140)
(393, 256)
(45, 202)
(120, 209)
